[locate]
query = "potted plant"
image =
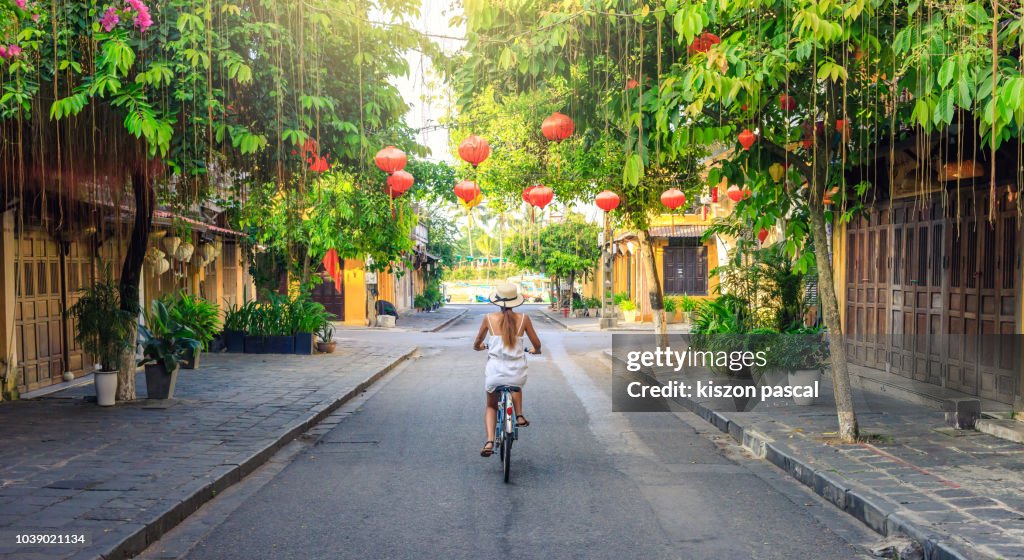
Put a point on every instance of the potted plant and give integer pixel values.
(236, 324)
(270, 328)
(670, 310)
(104, 331)
(201, 317)
(326, 345)
(164, 342)
(802, 355)
(306, 317)
(689, 308)
(628, 310)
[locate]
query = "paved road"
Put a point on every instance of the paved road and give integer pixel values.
(401, 477)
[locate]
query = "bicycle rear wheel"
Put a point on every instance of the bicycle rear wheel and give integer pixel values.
(506, 456)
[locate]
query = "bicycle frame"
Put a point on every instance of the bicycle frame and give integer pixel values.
(506, 427)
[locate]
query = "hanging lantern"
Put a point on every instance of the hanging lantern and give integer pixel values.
(184, 252)
(470, 204)
(161, 266)
(714, 195)
(171, 243)
(526, 195)
(704, 43)
(467, 190)
(787, 102)
(762, 235)
(746, 193)
(777, 172)
(208, 251)
(607, 201)
(399, 182)
(747, 138)
(673, 198)
(390, 159)
(631, 83)
(474, 150)
(557, 127)
(153, 255)
(734, 193)
(541, 196)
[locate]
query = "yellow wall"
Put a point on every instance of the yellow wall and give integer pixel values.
(839, 269)
(355, 292)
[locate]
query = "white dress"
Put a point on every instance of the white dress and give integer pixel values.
(505, 366)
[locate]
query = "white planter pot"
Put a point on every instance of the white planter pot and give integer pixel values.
(106, 387)
(629, 316)
(386, 321)
(805, 378)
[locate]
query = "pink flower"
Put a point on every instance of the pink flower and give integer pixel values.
(13, 51)
(35, 18)
(143, 20)
(110, 19)
(3, 52)
(20, 3)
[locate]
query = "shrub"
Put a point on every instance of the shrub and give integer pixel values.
(670, 305)
(200, 316)
(627, 305)
(102, 328)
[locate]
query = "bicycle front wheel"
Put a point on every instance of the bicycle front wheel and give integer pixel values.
(506, 456)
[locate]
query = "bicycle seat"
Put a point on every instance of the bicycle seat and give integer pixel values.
(510, 388)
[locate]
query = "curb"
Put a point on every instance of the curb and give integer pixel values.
(446, 323)
(881, 514)
(557, 320)
(201, 492)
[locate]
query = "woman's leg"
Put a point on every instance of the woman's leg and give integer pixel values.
(517, 401)
(491, 415)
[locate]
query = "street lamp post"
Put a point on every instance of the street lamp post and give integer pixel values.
(608, 319)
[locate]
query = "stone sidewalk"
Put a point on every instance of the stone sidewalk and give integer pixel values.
(958, 493)
(424, 321)
(124, 475)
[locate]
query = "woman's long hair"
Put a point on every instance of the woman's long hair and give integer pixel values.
(508, 327)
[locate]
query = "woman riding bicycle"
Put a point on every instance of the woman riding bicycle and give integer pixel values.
(506, 355)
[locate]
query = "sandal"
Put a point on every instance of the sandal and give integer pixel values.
(521, 421)
(488, 449)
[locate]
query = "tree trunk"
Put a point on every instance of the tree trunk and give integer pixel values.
(131, 276)
(653, 286)
(848, 429)
(572, 291)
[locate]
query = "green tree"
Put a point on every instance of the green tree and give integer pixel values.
(568, 251)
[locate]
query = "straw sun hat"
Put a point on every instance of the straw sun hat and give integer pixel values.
(507, 296)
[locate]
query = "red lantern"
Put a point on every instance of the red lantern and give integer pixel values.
(474, 150)
(526, 195)
(714, 194)
(787, 102)
(704, 43)
(762, 235)
(631, 83)
(673, 198)
(747, 138)
(734, 193)
(607, 201)
(746, 193)
(557, 127)
(390, 159)
(399, 182)
(808, 143)
(540, 196)
(467, 191)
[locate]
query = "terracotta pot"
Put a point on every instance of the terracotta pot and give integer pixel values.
(326, 347)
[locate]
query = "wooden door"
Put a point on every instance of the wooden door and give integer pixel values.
(332, 299)
(38, 319)
(999, 354)
(79, 271)
(867, 291)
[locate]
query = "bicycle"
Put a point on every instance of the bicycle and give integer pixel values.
(505, 429)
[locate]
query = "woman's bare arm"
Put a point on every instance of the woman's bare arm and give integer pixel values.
(531, 334)
(478, 344)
